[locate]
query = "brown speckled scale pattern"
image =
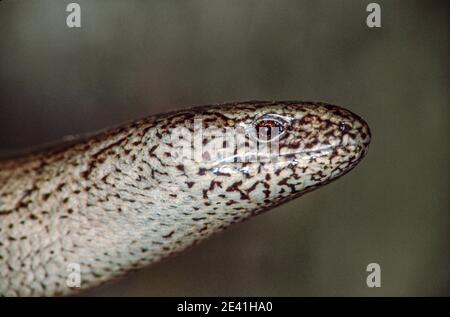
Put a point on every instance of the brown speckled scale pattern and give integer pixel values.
(120, 200)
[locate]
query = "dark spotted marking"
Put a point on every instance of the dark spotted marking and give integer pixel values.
(125, 183)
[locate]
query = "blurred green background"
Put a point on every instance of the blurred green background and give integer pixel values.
(134, 58)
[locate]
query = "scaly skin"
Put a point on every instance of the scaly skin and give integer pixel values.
(124, 199)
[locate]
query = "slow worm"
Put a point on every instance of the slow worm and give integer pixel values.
(126, 198)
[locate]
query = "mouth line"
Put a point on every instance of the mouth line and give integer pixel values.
(308, 154)
(326, 149)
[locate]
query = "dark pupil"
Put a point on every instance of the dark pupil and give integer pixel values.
(268, 129)
(344, 127)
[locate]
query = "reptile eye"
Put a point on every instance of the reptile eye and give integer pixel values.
(268, 129)
(344, 127)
